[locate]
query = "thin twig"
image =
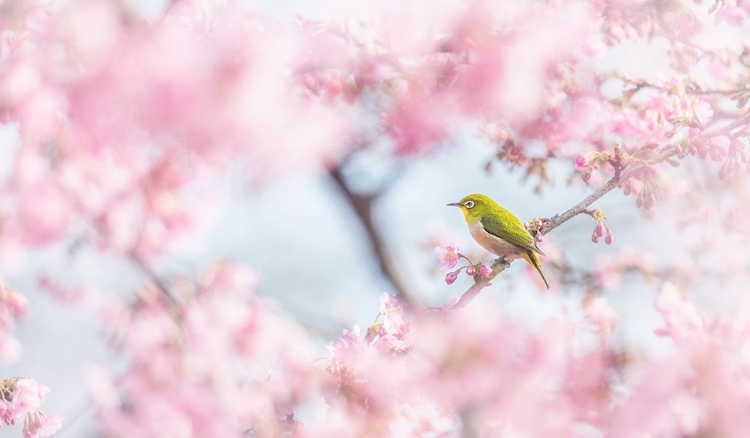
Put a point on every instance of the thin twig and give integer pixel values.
(720, 92)
(158, 282)
(724, 130)
(579, 208)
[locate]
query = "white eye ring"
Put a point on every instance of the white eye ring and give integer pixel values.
(469, 204)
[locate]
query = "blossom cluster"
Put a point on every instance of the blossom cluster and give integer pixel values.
(218, 362)
(20, 400)
(434, 375)
(449, 257)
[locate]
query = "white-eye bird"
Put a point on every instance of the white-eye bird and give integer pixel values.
(499, 231)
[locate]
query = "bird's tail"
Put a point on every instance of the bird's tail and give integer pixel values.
(532, 258)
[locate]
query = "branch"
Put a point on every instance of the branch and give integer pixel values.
(579, 208)
(582, 207)
(160, 285)
(480, 283)
(362, 205)
(728, 92)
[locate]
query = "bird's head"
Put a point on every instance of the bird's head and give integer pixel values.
(474, 206)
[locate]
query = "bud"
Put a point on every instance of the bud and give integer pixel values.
(586, 176)
(595, 238)
(486, 271)
(470, 271)
(599, 230)
(608, 240)
(582, 162)
(451, 277)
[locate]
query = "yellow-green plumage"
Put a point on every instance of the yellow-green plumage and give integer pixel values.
(499, 231)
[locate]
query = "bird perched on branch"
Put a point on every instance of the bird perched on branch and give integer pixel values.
(499, 231)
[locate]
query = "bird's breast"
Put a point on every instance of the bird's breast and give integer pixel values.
(494, 244)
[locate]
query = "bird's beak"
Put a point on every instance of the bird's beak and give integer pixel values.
(454, 204)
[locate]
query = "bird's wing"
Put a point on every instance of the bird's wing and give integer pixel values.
(514, 233)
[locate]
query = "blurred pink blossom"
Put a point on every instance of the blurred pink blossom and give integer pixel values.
(21, 399)
(13, 306)
(601, 315)
(681, 317)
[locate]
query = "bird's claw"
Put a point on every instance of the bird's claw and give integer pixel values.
(502, 261)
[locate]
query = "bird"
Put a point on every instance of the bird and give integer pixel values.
(499, 231)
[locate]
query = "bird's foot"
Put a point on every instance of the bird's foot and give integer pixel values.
(502, 261)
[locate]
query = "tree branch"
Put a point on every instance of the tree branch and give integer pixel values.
(362, 205)
(582, 207)
(160, 285)
(728, 92)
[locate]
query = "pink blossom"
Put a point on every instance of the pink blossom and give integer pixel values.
(44, 212)
(448, 256)
(733, 15)
(217, 356)
(681, 317)
(38, 425)
(607, 273)
(582, 162)
(601, 315)
(27, 398)
(10, 349)
(21, 399)
(394, 317)
(13, 306)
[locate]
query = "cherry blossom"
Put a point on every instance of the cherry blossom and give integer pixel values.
(448, 256)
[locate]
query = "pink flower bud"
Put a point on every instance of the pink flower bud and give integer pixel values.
(582, 162)
(486, 271)
(608, 240)
(470, 271)
(599, 230)
(451, 277)
(595, 238)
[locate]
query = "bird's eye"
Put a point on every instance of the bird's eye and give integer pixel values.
(469, 204)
